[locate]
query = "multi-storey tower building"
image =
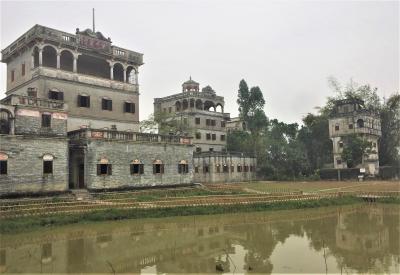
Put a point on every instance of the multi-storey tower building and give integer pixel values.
(96, 80)
(351, 117)
(202, 111)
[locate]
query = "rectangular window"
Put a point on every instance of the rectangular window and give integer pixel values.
(222, 137)
(196, 169)
(213, 123)
(246, 168)
(3, 167)
(211, 149)
(183, 168)
(214, 136)
(47, 167)
(205, 169)
(23, 69)
(197, 119)
(137, 169)
(158, 168)
(46, 120)
(198, 135)
(350, 126)
(232, 168)
(338, 161)
(222, 124)
(208, 123)
(225, 169)
(129, 107)
(104, 169)
(56, 95)
(12, 75)
(336, 127)
(239, 168)
(208, 136)
(84, 101)
(106, 104)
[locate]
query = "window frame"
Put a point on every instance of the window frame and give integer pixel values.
(131, 109)
(48, 168)
(46, 120)
(87, 101)
(106, 104)
(4, 167)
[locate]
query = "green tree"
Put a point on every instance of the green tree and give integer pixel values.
(354, 148)
(166, 123)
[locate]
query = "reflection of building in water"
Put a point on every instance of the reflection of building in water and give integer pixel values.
(197, 244)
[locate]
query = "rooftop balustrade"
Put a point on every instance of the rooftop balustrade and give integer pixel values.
(105, 134)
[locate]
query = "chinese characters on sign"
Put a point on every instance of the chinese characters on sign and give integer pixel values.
(94, 43)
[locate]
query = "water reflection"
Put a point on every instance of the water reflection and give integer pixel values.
(362, 239)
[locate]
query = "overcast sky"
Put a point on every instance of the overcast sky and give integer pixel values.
(287, 48)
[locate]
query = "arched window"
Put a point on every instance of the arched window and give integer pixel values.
(199, 104)
(49, 57)
(66, 61)
(360, 123)
(47, 164)
(177, 106)
(191, 103)
(209, 106)
(5, 122)
(93, 66)
(183, 167)
(137, 167)
(219, 108)
(118, 72)
(104, 168)
(158, 167)
(185, 104)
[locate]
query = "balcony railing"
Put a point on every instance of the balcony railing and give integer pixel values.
(223, 154)
(33, 102)
(88, 133)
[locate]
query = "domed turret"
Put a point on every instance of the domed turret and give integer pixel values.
(190, 86)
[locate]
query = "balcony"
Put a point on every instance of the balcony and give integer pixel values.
(19, 100)
(86, 79)
(103, 134)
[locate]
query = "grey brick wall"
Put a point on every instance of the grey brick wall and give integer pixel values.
(32, 125)
(25, 164)
(121, 153)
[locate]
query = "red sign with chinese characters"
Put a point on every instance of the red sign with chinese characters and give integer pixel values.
(94, 43)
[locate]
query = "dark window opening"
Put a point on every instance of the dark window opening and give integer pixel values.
(46, 120)
(350, 126)
(106, 104)
(214, 136)
(246, 168)
(198, 135)
(56, 95)
(339, 161)
(360, 123)
(47, 167)
(83, 101)
(197, 119)
(208, 136)
(196, 169)
(183, 168)
(213, 122)
(158, 168)
(129, 107)
(239, 168)
(137, 169)
(104, 169)
(211, 149)
(12, 75)
(208, 122)
(3, 167)
(336, 127)
(222, 137)
(205, 169)
(232, 168)
(222, 124)
(225, 169)
(23, 69)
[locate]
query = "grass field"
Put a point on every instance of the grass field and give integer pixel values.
(320, 186)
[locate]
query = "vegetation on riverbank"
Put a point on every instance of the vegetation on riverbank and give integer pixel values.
(22, 224)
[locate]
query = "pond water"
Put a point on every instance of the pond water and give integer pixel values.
(351, 239)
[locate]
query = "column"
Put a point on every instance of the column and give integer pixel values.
(40, 57)
(58, 60)
(75, 64)
(136, 78)
(32, 61)
(124, 74)
(111, 72)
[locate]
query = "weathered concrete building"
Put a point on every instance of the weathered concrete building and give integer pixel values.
(97, 80)
(202, 111)
(350, 117)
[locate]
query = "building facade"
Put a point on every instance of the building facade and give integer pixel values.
(202, 111)
(98, 81)
(350, 117)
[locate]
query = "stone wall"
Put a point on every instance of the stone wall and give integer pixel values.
(25, 164)
(29, 121)
(229, 174)
(120, 155)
